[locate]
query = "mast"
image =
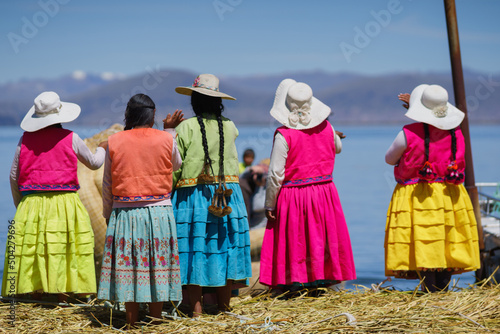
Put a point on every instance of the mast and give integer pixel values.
(460, 102)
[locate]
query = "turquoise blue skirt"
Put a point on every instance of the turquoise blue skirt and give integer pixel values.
(141, 259)
(212, 250)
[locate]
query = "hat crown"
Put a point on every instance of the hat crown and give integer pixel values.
(47, 103)
(208, 81)
(299, 93)
(434, 96)
(205, 84)
(296, 107)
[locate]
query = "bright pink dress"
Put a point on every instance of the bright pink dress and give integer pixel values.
(309, 241)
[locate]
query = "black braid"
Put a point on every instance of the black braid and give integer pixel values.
(453, 145)
(204, 139)
(427, 141)
(209, 105)
(221, 146)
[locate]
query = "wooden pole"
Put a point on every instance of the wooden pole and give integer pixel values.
(460, 102)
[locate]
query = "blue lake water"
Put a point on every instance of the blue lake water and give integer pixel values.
(363, 179)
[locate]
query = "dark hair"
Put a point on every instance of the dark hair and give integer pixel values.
(209, 105)
(139, 112)
(249, 153)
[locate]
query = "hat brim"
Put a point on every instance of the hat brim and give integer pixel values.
(68, 113)
(204, 91)
(420, 113)
(280, 112)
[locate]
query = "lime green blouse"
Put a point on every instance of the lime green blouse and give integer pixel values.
(190, 145)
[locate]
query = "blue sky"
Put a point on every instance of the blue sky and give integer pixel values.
(50, 38)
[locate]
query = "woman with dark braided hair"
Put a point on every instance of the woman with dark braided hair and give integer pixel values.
(431, 230)
(211, 217)
(141, 260)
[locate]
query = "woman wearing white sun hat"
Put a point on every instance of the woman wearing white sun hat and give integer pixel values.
(431, 229)
(307, 242)
(53, 243)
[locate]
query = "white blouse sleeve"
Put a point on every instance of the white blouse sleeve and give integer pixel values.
(276, 170)
(397, 149)
(14, 176)
(85, 156)
(338, 142)
(176, 155)
(107, 194)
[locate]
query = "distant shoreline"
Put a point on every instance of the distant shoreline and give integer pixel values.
(337, 122)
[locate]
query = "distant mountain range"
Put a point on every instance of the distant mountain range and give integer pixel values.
(354, 98)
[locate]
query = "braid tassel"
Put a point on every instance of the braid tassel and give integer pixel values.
(219, 205)
(427, 173)
(226, 193)
(205, 176)
(215, 203)
(453, 175)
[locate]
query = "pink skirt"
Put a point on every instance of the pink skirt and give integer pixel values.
(309, 241)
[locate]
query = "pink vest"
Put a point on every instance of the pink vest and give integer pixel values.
(440, 154)
(47, 161)
(141, 165)
(311, 155)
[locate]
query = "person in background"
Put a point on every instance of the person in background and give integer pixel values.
(248, 158)
(306, 243)
(51, 236)
(212, 223)
(431, 230)
(141, 259)
(253, 183)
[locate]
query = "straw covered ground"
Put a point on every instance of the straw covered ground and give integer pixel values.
(472, 310)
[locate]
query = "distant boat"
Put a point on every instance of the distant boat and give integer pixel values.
(490, 220)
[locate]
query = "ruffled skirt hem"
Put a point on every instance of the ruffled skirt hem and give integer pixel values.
(50, 246)
(430, 226)
(212, 249)
(141, 259)
(309, 241)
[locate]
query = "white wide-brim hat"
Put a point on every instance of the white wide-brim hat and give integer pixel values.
(48, 110)
(206, 84)
(429, 104)
(296, 108)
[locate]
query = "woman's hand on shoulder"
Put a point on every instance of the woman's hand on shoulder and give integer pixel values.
(104, 144)
(171, 121)
(406, 99)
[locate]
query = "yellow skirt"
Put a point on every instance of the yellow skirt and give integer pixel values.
(430, 226)
(50, 246)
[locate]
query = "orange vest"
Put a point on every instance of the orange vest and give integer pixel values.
(141, 166)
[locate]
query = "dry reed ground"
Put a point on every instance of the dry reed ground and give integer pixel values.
(472, 310)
